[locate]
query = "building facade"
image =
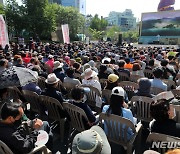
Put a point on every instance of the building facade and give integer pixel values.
(79, 4)
(125, 20)
(55, 1)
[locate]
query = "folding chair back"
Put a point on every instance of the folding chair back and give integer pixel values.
(129, 87)
(119, 130)
(54, 111)
(141, 107)
(41, 82)
(106, 94)
(103, 83)
(4, 149)
(33, 99)
(14, 93)
(68, 86)
(92, 96)
(156, 91)
(177, 109)
(148, 73)
(123, 77)
(77, 116)
(155, 139)
(170, 84)
(135, 78)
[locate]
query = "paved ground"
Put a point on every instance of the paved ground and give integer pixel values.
(156, 45)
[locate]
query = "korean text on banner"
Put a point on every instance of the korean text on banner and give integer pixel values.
(3, 32)
(65, 32)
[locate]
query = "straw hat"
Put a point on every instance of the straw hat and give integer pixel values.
(88, 73)
(57, 65)
(51, 79)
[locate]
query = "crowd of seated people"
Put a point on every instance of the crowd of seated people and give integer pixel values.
(59, 62)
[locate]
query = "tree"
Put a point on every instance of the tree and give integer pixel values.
(98, 24)
(130, 36)
(15, 17)
(113, 32)
(2, 9)
(39, 20)
(98, 35)
(70, 16)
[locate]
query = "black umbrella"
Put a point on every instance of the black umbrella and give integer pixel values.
(17, 76)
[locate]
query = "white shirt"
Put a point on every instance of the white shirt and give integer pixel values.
(93, 83)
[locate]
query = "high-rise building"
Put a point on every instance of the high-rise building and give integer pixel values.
(55, 1)
(79, 4)
(125, 20)
(72, 3)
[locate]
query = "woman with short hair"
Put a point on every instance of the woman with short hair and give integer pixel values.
(163, 113)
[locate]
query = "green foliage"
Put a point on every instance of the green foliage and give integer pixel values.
(38, 17)
(96, 34)
(130, 36)
(98, 24)
(71, 16)
(2, 9)
(113, 32)
(15, 16)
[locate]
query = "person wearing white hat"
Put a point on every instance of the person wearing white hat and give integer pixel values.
(58, 70)
(119, 107)
(93, 67)
(90, 78)
(51, 91)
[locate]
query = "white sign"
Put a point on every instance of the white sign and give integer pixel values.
(42, 138)
(3, 32)
(164, 95)
(65, 32)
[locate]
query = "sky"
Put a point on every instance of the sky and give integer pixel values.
(103, 7)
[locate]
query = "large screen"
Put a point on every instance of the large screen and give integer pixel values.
(164, 23)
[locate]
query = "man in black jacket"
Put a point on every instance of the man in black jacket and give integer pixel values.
(14, 135)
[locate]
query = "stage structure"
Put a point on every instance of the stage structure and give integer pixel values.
(160, 28)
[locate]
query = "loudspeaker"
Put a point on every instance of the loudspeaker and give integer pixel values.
(119, 39)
